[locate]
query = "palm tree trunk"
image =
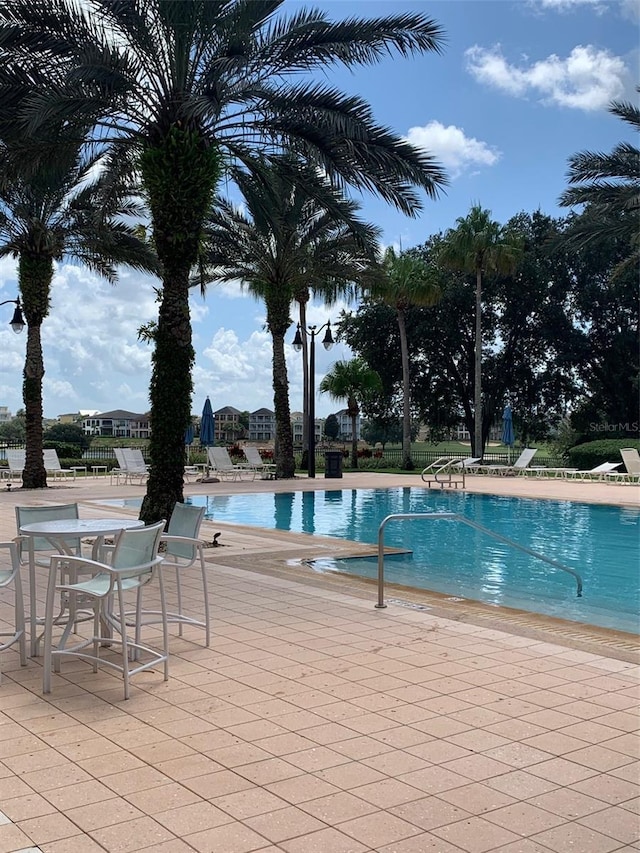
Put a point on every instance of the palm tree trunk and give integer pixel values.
(278, 303)
(477, 387)
(407, 462)
(180, 175)
(354, 438)
(35, 275)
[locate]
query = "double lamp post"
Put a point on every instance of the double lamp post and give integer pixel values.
(327, 342)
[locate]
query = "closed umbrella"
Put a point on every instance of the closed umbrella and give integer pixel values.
(188, 438)
(508, 435)
(207, 425)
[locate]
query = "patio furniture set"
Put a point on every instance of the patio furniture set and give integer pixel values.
(102, 589)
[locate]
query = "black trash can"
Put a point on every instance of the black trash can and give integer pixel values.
(333, 465)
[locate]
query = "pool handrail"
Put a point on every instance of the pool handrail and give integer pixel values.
(456, 516)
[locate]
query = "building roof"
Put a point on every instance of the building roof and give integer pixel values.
(263, 411)
(120, 414)
(227, 410)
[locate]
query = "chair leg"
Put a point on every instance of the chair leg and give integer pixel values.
(48, 632)
(165, 626)
(205, 594)
(125, 645)
(20, 627)
(179, 594)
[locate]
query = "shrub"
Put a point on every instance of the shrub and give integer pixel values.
(592, 453)
(64, 450)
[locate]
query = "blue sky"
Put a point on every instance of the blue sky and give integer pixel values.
(519, 88)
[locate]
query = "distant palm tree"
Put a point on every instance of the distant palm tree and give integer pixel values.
(480, 246)
(406, 280)
(352, 381)
(187, 87)
(294, 231)
(609, 186)
(64, 208)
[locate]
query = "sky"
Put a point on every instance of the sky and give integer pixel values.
(517, 90)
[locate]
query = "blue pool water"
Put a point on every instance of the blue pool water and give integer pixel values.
(601, 543)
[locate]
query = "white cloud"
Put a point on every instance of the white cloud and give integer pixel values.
(588, 79)
(452, 147)
(567, 5)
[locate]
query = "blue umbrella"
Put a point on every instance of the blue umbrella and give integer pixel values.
(188, 438)
(508, 435)
(207, 425)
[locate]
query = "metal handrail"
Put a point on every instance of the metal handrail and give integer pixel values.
(455, 516)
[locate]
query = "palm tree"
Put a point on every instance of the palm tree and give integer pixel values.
(479, 245)
(352, 381)
(189, 86)
(406, 280)
(609, 186)
(294, 232)
(65, 208)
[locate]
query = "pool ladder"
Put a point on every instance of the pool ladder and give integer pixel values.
(455, 516)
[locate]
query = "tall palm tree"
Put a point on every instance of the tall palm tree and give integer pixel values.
(352, 381)
(295, 231)
(67, 207)
(190, 86)
(609, 186)
(406, 280)
(480, 246)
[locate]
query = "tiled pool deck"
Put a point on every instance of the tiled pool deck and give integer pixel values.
(318, 724)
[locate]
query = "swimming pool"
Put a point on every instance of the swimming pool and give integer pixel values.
(600, 542)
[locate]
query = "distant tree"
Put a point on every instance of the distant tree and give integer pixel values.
(67, 433)
(331, 427)
(13, 430)
(351, 381)
(406, 280)
(480, 246)
(382, 431)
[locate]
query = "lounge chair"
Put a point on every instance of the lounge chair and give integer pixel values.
(522, 462)
(221, 465)
(631, 459)
(131, 465)
(16, 461)
(267, 470)
(597, 473)
(53, 468)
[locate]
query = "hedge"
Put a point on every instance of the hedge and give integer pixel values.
(587, 456)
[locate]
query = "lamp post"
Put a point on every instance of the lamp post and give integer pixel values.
(17, 321)
(327, 343)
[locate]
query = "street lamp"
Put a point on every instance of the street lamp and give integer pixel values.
(17, 321)
(327, 343)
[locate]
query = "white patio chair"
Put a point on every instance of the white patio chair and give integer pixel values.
(134, 563)
(52, 465)
(522, 462)
(267, 470)
(36, 552)
(631, 459)
(598, 473)
(16, 462)
(10, 577)
(131, 465)
(221, 464)
(182, 550)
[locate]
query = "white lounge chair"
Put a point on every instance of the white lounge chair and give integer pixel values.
(597, 473)
(16, 461)
(522, 462)
(267, 470)
(221, 465)
(131, 465)
(631, 459)
(52, 466)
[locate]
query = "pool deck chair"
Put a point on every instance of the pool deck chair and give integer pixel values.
(266, 470)
(131, 465)
(600, 472)
(16, 461)
(53, 468)
(134, 563)
(519, 466)
(222, 466)
(631, 459)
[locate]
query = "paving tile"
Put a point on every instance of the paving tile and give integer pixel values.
(378, 829)
(98, 815)
(615, 822)
(475, 834)
(608, 788)
(195, 817)
(567, 803)
(49, 827)
(574, 836)
(430, 812)
(324, 841)
(524, 818)
(232, 838)
(127, 837)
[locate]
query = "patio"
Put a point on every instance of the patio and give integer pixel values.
(318, 724)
